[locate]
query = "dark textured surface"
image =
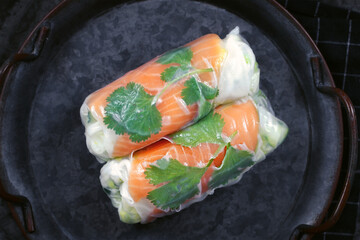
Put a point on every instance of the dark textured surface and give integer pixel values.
(61, 177)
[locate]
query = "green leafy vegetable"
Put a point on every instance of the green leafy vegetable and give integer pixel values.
(177, 72)
(199, 92)
(130, 110)
(168, 74)
(181, 182)
(182, 56)
(233, 164)
(247, 59)
(195, 90)
(204, 108)
(175, 78)
(208, 130)
(90, 118)
(107, 191)
(208, 92)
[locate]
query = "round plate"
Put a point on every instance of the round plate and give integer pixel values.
(90, 45)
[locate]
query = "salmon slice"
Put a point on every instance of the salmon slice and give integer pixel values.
(247, 125)
(207, 53)
(240, 117)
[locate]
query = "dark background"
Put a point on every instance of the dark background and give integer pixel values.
(334, 25)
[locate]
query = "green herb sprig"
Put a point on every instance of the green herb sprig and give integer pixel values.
(181, 182)
(130, 111)
(181, 56)
(208, 130)
(233, 164)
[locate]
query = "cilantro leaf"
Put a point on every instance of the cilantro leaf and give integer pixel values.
(208, 92)
(234, 163)
(204, 108)
(168, 74)
(191, 93)
(129, 110)
(181, 183)
(195, 90)
(175, 73)
(208, 130)
(182, 56)
(199, 92)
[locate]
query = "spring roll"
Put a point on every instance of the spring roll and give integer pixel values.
(190, 164)
(167, 94)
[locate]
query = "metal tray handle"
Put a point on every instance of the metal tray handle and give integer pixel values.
(353, 152)
(38, 37)
(5, 71)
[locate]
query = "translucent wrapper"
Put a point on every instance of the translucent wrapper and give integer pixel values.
(167, 94)
(190, 164)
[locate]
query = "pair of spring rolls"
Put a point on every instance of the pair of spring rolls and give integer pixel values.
(180, 126)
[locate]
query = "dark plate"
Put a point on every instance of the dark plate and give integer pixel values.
(90, 44)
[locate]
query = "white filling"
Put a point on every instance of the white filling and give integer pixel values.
(239, 77)
(117, 171)
(114, 177)
(100, 140)
(272, 130)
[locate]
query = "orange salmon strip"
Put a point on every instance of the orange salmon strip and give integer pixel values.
(240, 117)
(207, 53)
